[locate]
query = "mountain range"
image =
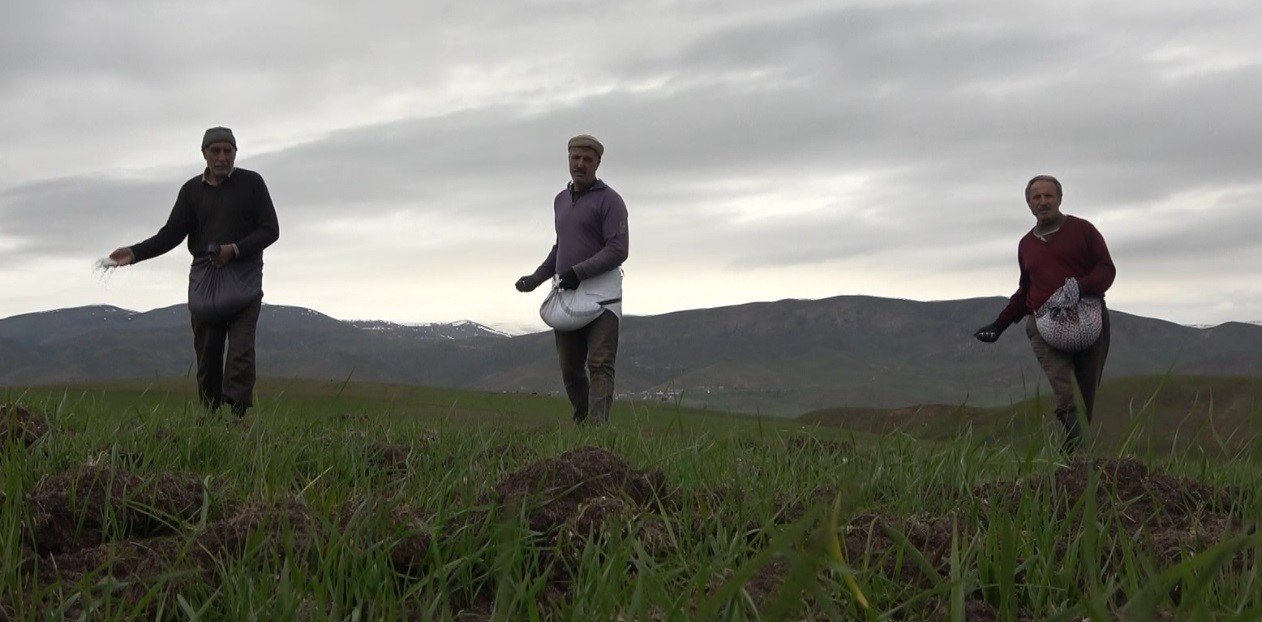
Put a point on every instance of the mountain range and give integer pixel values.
(781, 358)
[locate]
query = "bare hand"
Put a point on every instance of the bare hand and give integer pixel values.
(123, 256)
(225, 255)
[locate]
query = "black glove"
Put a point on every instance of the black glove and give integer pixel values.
(569, 279)
(212, 251)
(987, 334)
(525, 284)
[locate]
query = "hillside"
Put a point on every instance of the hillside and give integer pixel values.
(778, 358)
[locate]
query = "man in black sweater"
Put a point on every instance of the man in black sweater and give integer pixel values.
(228, 217)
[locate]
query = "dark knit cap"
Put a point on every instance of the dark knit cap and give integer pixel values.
(218, 135)
(588, 141)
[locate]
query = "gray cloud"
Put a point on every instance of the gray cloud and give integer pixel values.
(742, 137)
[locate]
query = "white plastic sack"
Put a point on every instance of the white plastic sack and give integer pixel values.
(1068, 322)
(572, 309)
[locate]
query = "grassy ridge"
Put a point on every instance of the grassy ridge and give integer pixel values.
(1152, 413)
(366, 501)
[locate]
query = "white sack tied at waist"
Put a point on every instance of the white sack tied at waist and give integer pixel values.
(572, 309)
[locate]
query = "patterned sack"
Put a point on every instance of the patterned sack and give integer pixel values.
(1067, 322)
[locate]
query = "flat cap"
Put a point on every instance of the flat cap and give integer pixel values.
(588, 141)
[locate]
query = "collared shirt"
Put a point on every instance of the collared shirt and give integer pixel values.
(206, 176)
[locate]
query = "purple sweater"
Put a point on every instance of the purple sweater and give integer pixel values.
(591, 231)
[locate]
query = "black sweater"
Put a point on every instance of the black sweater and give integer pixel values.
(238, 211)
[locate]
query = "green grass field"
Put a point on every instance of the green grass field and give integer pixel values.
(365, 502)
(1149, 414)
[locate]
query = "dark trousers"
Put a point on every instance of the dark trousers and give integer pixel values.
(1063, 369)
(587, 358)
(229, 380)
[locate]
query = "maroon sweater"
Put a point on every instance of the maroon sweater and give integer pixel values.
(1075, 250)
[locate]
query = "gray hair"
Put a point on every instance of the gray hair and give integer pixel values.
(1056, 182)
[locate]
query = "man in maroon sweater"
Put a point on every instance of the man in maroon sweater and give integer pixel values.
(226, 213)
(591, 240)
(1059, 247)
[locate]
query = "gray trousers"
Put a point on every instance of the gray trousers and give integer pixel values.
(587, 359)
(1063, 369)
(227, 380)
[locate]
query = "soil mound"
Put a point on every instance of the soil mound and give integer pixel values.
(84, 508)
(388, 458)
(793, 511)
(21, 425)
(1173, 515)
(282, 521)
(1140, 497)
(410, 552)
(1155, 498)
(558, 488)
(875, 538)
(136, 565)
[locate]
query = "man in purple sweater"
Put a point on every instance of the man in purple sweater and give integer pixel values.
(228, 217)
(591, 240)
(1059, 247)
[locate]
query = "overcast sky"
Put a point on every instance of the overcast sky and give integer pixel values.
(764, 150)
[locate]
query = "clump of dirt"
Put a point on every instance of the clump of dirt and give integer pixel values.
(410, 552)
(1174, 515)
(388, 458)
(83, 508)
(287, 520)
(974, 611)
(722, 494)
(351, 417)
(482, 610)
(1148, 499)
(764, 586)
(567, 500)
(793, 511)
(557, 488)
(874, 538)
(129, 569)
(1154, 493)
(21, 425)
(766, 582)
(600, 512)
